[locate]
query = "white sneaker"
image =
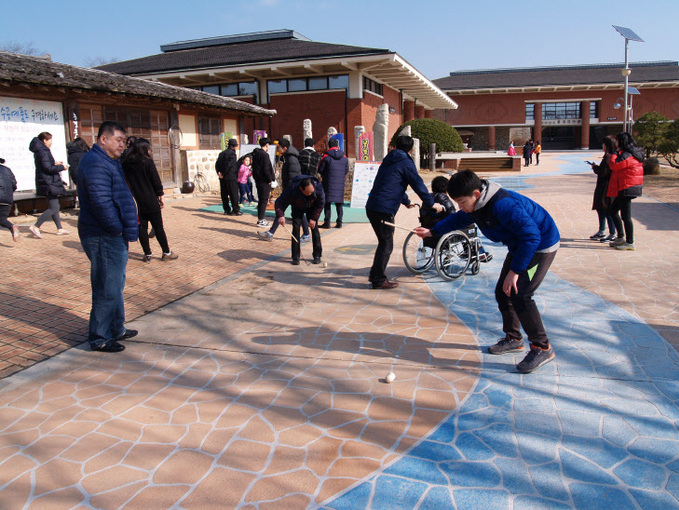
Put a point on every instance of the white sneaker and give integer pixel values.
(263, 223)
(35, 231)
(266, 235)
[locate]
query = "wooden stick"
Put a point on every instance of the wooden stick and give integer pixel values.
(398, 227)
(290, 232)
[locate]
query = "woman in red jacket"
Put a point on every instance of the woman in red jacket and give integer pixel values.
(627, 177)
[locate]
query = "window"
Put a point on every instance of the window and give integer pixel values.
(558, 111)
(530, 111)
(229, 90)
(313, 83)
(594, 110)
(247, 89)
(372, 86)
(211, 89)
(209, 130)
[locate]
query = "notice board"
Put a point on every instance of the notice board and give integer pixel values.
(364, 177)
(21, 120)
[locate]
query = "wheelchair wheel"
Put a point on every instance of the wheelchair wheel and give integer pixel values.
(453, 255)
(416, 256)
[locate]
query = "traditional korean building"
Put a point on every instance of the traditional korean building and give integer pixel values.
(38, 95)
(566, 107)
(333, 85)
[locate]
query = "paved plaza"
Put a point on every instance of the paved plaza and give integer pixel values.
(254, 384)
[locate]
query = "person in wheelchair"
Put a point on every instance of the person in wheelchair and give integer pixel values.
(429, 217)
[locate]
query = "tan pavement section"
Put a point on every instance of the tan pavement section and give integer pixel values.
(265, 390)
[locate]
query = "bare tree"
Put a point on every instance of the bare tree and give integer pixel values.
(99, 61)
(24, 48)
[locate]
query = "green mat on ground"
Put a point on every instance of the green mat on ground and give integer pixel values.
(350, 215)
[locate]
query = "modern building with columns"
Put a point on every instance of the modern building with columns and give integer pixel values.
(333, 85)
(569, 107)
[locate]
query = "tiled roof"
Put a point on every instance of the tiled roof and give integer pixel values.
(15, 69)
(665, 71)
(237, 54)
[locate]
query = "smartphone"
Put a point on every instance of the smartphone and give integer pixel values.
(589, 162)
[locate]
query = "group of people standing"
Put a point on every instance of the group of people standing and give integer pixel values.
(620, 177)
(310, 182)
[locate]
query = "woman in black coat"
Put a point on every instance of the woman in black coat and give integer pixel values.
(76, 150)
(48, 182)
(8, 184)
(144, 182)
(600, 202)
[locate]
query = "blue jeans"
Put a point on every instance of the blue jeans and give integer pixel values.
(108, 256)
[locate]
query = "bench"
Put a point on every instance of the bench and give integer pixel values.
(479, 163)
(27, 202)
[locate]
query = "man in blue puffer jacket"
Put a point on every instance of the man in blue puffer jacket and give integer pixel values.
(395, 174)
(532, 239)
(106, 224)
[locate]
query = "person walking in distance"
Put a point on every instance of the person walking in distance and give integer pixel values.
(263, 174)
(106, 225)
(227, 170)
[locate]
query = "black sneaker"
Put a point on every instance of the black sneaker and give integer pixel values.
(536, 357)
(506, 345)
(110, 346)
(317, 260)
(608, 238)
(295, 262)
(597, 236)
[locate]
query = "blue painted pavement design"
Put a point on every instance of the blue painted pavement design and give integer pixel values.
(596, 428)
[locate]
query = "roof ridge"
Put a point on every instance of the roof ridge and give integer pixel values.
(657, 63)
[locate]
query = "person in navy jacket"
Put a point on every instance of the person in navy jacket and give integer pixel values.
(106, 224)
(395, 174)
(532, 239)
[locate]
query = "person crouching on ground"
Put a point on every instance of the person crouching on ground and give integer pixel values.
(532, 238)
(305, 195)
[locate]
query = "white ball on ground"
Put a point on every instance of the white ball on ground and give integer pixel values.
(390, 377)
(325, 264)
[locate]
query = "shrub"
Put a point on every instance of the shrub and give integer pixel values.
(429, 131)
(651, 166)
(649, 131)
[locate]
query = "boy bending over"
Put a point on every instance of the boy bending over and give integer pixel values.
(532, 238)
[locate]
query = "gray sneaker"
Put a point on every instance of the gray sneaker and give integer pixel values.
(506, 345)
(535, 358)
(266, 235)
(626, 246)
(617, 242)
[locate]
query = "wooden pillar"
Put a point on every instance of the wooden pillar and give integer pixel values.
(491, 138)
(537, 126)
(584, 135)
(429, 114)
(408, 110)
(419, 112)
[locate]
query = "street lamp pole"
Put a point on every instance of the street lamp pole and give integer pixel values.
(629, 35)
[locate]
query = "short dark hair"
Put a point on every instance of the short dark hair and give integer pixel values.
(82, 144)
(44, 136)
(463, 184)
(305, 182)
(404, 143)
(284, 143)
(625, 141)
(309, 142)
(333, 142)
(108, 128)
(439, 184)
(264, 141)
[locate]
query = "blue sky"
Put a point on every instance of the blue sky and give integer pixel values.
(435, 36)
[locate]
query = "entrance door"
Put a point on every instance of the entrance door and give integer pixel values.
(558, 138)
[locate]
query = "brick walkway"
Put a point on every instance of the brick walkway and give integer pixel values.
(269, 384)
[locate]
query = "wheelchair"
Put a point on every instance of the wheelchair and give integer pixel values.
(452, 254)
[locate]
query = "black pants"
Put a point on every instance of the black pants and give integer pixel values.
(229, 192)
(52, 211)
(520, 310)
(385, 245)
(622, 206)
(339, 207)
(156, 220)
(263, 192)
(5, 209)
(297, 220)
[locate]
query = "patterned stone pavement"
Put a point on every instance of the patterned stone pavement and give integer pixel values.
(266, 390)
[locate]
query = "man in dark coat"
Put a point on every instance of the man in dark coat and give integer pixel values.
(263, 174)
(290, 158)
(106, 224)
(395, 174)
(227, 170)
(333, 169)
(305, 195)
(527, 151)
(309, 158)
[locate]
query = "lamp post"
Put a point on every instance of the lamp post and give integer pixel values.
(629, 35)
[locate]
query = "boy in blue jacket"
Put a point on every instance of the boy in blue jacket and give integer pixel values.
(532, 238)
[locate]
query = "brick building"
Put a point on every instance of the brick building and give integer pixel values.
(333, 85)
(571, 107)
